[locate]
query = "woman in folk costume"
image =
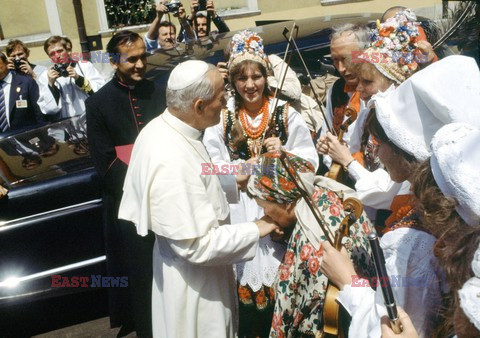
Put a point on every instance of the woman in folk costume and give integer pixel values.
(251, 125)
(404, 123)
(448, 191)
(389, 61)
(300, 287)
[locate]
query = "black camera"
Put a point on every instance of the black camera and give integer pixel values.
(61, 68)
(173, 6)
(202, 6)
(17, 63)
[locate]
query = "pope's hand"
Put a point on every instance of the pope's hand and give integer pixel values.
(244, 172)
(266, 225)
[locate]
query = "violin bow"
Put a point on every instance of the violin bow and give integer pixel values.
(295, 48)
(279, 87)
(303, 191)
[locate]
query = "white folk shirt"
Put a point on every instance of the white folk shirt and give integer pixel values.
(408, 254)
(194, 287)
(72, 97)
(262, 270)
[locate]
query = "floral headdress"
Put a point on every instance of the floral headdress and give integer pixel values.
(247, 45)
(396, 41)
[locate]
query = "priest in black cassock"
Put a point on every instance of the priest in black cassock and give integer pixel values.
(115, 116)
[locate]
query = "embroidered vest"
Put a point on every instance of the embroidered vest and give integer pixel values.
(278, 128)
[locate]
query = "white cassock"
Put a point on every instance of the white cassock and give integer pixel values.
(262, 270)
(72, 97)
(417, 283)
(194, 287)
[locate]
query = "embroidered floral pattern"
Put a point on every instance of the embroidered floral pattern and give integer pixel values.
(301, 286)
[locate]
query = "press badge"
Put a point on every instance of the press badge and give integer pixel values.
(21, 103)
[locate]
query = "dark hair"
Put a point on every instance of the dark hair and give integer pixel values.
(119, 39)
(166, 23)
(390, 10)
(3, 57)
(200, 15)
(68, 43)
(456, 241)
(53, 40)
(374, 128)
(14, 43)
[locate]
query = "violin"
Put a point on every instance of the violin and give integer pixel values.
(337, 172)
(331, 309)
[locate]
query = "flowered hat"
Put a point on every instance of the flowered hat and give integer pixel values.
(271, 182)
(394, 45)
(247, 45)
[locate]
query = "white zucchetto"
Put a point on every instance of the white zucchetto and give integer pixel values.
(187, 73)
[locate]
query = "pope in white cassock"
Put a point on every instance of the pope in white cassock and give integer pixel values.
(193, 285)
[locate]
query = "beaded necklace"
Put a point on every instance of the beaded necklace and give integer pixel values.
(251, 131)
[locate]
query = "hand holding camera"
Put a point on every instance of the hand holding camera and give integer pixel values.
(199, 5)
(161, 9)
(20, 66)
(174, 7)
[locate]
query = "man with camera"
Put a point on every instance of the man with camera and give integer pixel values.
(201, 23)
(66, 85)
(18, 53)
(18, 99)
(161, 34)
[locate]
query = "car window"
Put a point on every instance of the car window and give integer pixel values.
(44, 152)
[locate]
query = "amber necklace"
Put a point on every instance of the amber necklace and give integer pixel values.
(251, 131)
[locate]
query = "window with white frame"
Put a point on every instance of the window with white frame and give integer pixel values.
(128, 17)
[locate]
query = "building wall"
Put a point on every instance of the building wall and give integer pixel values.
(35, 20)
(16, 17)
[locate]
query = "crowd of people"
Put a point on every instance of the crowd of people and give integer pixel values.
(245, 247)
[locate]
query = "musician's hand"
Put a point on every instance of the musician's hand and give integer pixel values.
(427, 55)
(223, 69)
(408, 330)
(272, 143)
(339, 152)
(337, 266)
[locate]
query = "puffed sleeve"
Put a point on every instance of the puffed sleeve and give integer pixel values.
(416, 285)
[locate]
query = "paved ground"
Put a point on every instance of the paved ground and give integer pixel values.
(82, 315)
(99, 328)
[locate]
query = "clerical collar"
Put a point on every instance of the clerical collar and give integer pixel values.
(130, 87)
(182, 127)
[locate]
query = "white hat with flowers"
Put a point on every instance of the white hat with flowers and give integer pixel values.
(247, 45)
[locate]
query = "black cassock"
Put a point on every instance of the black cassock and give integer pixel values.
(115, 116)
